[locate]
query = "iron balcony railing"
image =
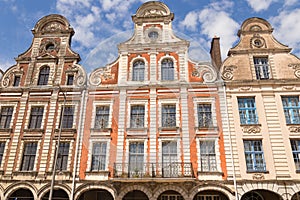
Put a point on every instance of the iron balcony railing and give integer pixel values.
(153, 170)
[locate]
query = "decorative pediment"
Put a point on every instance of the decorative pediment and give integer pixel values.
(10, 75)
(53, 27)
(227, 73)
(296, 67)
(207, 73)
(102, 74)
(46, 56)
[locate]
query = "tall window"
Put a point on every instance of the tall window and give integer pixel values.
(169, 159)
(291, 109)
(247, 110)
(295, 144)
(99, 156)
(261, 68)
(167, 70)
(204, 115)
(2, 146)
(254, 155)
(36, 117)
(17, 81)
(67, 117)
(138, 71)
(5, 116)
(169, 116)
(208, 156)
(137, 116)
(136, 158)
(44, 75)
(28, 156)
(63, 154)
(102, 117)
(70, 79)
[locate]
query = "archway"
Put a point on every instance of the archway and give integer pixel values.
(135, 195)
(209, 195)
(21, 194)
(96, 194)
(58, 194)
(261, 195)
(296, 196)
(170, 195)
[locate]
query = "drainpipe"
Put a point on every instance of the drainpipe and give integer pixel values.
(230, 144)
(80, 132)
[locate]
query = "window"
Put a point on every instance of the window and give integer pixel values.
(208, 156)
(252, 196)
(167, 70)
(137, 116)
(63, 154)
(5, 116)
(28, 156)
(67, 117)
(254, 155)
(99, 156)
(153, 35)
(17, 81)
(102, 117)
(295, 144)
(136, 158)
(261, 68)
(138, 71)
(247, 111)
(70, 79)
(2, 146)
(169, 116)
(208, 197)
(44, 75)
(169, 159)
(204, 115)
(291, 109)
(36, 117)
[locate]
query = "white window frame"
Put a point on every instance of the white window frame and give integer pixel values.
(162, 102)
(10, 104)
(174, 65)
(60, 105)
(36, 104)
(205, 100)
(89, 162)
(217, 152)
(19, 162)
(133, 103)
(70, 155)
(169, 139)
(131, 68)
(96, 104)
(4, 153)
(38, 69)
(128, 141)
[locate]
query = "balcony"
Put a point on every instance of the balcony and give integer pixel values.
(153, 170)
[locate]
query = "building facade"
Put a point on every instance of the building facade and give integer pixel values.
(262, 129)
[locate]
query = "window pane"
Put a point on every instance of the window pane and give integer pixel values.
(102, 117)
(17, 81)
(5, 117)
(28, 156)
(291, 109)
(169, 116)
(204, 115)
(36, 117)
(63, 154)
(70, 79)
(169, 159)
(261, 68)
(99, 156)
(295, 144)
(138, 71)
(67, 117)
(254, 155)
(2, 146)
(247, 111)
(43, 76)
(208, 156)
(167, 70)
(137, 116)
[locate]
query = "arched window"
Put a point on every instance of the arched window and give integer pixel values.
(44, 75)
(167, 70)
(138, 71)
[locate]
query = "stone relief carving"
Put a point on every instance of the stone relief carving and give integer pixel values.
(9, 77)
(52, 27)
(255, 28)
(154, 13)
(258, 176)
(228, 72)
(251, 129)
(245, 88)
(45, 43)
(288, 87)
(257, 41)
(207, 73)
(101, 74)
(296, 67)
(294, 129)
(78, 73)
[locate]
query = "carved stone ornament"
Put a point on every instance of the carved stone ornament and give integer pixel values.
(296, 67)
(51, 41)
(228, 72)
(206, 72)
(246, 88)
(258, 176)
(257, 41)
(100, 75)
(251, 129)
(294, 129)
(255, 28)
(52, 27)
(154, 13)
(9, 77)
(78, 73)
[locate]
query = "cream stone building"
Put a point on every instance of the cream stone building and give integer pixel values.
(261, 133)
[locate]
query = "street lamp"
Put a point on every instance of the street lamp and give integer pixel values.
(57, 148)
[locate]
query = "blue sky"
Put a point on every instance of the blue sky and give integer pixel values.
(101, 24)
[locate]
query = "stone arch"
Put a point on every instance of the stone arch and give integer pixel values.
(20, 185)
(259, 186)
(135, 187)
(46, 189)
(1, 192)
(86, 187)
(162, 189)
(261, 194)
(220, 188)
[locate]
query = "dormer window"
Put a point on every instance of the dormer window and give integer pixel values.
(43, 76)
(17, 81)
(262, 68)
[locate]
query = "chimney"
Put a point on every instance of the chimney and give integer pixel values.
(215, 53)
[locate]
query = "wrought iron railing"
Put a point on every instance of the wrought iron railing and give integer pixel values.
(153, 170)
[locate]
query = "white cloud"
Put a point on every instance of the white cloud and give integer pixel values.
(190, 21)
(290, 2)
(287, 27)
(5, 64)
(259, 5)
